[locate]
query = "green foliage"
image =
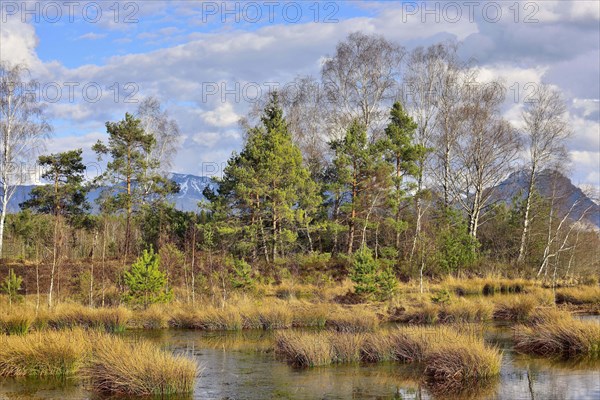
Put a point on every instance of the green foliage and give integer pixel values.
(11, 286)
(456, 248)
(369, 279)
(242, 275)
(264, 187)
(65, 193)
(441, 297)
(146, 282)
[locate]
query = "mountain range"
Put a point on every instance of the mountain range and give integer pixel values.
(192, 187)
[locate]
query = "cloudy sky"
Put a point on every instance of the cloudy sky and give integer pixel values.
(207, 61)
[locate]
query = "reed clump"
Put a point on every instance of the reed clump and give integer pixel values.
(352, 320)
(451, 358)
(558, 334)
(302, 350)
(43, 354)
(515, 308)
(585, 295)
(452, 367)
(17, 323)
(138, 369)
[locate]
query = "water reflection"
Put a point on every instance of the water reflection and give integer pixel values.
(241, 365)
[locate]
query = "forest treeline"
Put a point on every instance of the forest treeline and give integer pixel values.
(390, 157)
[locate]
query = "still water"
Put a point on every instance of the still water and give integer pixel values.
(242, 365)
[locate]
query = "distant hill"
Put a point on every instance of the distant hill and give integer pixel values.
(190, 190)
(547, 182)
(191, 187)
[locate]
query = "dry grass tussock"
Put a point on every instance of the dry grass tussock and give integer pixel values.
(451, 357)
(108, 363)
(558, 334)
(138, 369)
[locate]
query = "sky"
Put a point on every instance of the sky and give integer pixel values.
(209, 61)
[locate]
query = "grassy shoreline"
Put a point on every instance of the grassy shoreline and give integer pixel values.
(301, 308)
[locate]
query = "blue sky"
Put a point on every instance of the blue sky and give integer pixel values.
(173, 50)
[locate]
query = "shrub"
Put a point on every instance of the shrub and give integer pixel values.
(441, 297)
(241, 276)
(11, 286)
(368, 279)
(146, 282)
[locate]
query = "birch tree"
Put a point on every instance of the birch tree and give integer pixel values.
(546, 131)
(359, 79)
(486, 151)
(23, 128)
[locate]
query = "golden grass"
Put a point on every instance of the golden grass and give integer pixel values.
(421, 314)
(69, 316)
(138, 369)
(463, 310)
(579, 296)
(16, 323)
(452, 367)
(486, 286)
(346, 347)
(301, 349)
(312, 315)
(558, 334)
(109, 363)
(515, 308)
(376, 348)
(43, 354)
(452, 358)
(154, 317)
(354, 319)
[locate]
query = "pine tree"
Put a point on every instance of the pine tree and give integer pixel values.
(146, 282)
(63, 197)
(128, 146)
(265, 186)
(11, 286)
(370, 280)
(360, 177)
(402, 153)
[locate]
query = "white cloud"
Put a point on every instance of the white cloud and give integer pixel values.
(222, 116)
(18, 42)
(92, 36)
(562, 49)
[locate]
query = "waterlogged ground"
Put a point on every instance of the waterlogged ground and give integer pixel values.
(242, 366)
